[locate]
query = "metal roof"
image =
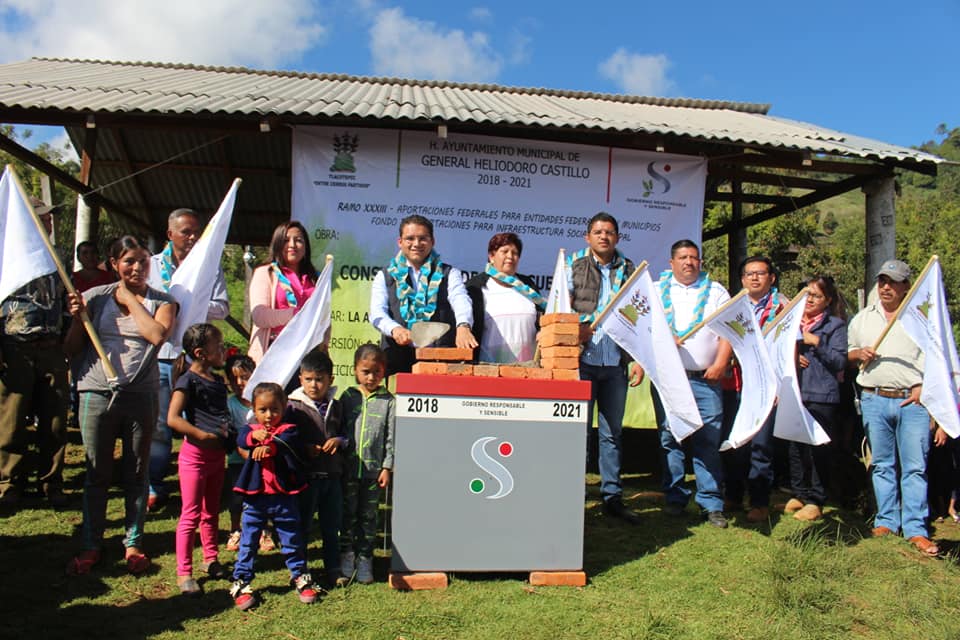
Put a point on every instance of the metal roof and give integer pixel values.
(85, 86)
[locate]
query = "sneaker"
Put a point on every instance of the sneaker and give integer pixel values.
(188, 586)
(348, 566)
(266, 542)
(717, 519)
(215, 570)
(793, 505)
(809, 513)
(306, 590)
(365, 570)
(615, 508)
(233, 542)
(242, 595)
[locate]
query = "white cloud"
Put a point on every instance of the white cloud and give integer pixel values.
(412, 48)
(481, 14)
(61, 142)
(638, 74)
(257, 33)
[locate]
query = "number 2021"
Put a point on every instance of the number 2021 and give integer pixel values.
(566, 410)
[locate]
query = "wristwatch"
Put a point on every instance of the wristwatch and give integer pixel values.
(463, 324)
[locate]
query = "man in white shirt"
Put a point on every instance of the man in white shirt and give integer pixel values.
(688, 297)
(183, 231)
(417, 287)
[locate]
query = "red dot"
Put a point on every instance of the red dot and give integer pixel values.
(666, 167)
(505, 449)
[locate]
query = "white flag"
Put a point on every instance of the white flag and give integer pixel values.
(737, 324)
(558, 301)
(639, 326)
(926, 320)
(24, 255)
(305, 331)
(192, 283)
(792, 420)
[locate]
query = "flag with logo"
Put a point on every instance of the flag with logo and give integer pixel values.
(192, 283)
(926, 320)
(23, 254)
(736, 323)
(558, 300)
(306, 330)
(792, 420)
(638, 324)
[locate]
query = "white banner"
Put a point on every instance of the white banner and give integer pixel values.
(792, 421)
(23, 254)
(637, 323)
(351, 188)
(926, 320)
(737, 324)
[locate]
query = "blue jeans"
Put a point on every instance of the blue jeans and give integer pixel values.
(898, 435)
(704, 445)
(284, 510)
(162, 443)
(323, 497)
(609, 392)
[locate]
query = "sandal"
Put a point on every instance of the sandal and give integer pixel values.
(925, 546)
(137, 563)
(83, 562)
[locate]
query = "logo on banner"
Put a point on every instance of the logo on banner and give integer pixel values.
(655, 177)
(344, 146)
(493, 467)
(740, 325)
(637, 308)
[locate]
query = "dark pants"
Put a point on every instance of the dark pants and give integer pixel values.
(34, 384)
(323, 497)
(284, 510)
(361, 502)
(810, 466)
(749, 469)
(608, 392)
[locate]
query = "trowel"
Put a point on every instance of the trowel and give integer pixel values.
(423, 334)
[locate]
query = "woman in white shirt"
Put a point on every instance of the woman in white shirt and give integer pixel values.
(506, 305)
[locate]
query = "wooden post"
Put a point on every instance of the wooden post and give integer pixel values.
(880, 218)
(88, 218)
(736, 239)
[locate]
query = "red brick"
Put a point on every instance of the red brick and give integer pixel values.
(559, 318)
(486, 370)
(430, 368)
(514, 371)
(560, 363)
(459, 369)
(417, 581)
(560, 352)
(539, 373)
(560, 335)
(558, 578)
(566, 374)
(447, 354)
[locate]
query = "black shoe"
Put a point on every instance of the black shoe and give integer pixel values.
(717, 519)
(615, 507)
(675, 510)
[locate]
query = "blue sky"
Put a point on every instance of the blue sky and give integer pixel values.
(881, 69)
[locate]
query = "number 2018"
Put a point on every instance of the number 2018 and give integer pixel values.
(422, 405)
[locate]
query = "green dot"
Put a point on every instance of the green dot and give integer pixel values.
(476, 485)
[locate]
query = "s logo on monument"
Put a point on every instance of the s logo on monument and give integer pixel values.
(499, 472)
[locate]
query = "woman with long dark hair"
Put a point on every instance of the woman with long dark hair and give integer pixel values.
(280, 286)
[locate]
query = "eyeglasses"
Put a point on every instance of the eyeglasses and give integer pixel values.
(416, 239)
(755, 274)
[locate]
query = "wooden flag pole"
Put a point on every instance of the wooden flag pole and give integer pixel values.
(703, 323)
(108, 369)
(783, 312)
(616, 298)
(903, 305)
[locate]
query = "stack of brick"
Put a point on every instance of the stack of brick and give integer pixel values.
(560, 345)
(559, 355)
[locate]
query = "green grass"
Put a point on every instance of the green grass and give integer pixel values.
(669, 578)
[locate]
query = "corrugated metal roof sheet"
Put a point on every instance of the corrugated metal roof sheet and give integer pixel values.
(155, 88)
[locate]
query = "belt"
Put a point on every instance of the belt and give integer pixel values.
(888, 393)
(696, 374)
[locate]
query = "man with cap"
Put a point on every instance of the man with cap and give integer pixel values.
(33, 383)
(183, 231)
(896, 424)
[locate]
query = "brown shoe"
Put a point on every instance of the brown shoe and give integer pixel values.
(879, 532)
(809, 513)
(793, 505)
(925, 546)
(758, 514)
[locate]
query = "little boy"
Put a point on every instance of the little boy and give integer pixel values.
(317, 414)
